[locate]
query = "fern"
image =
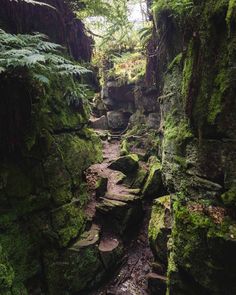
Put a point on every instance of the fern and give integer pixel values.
(36, 54)
(33, 2)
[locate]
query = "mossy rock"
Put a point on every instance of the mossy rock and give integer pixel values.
(124, 147)
(19, 256)
(203, 247)
(79, 268)
(153, 186)
(160, 229)
(16, 182)
(68, 222)
(229, 197)
(70, 156)
(120, 214)
(7, 274)
(127, 164)
(101, 186)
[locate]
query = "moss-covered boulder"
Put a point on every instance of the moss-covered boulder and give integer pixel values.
(153, 186)
(67, 222)
(101, 186)
(126, 164)
(229, 197)
(202, 259)
(79, 268)
(122, 212)
(160, 229)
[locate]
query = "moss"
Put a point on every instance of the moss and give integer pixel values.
(68, 223)
(7, 274)
(177, 131)
(153, 185)
(176, 61)
(230, 13)
(198, 241)
(16, 181)
(188, 70)
(222, 85)
(229, 197)
(178, 8)
(124, 147)
(75, 271)
(157, 217)
(182, 161)
(22, 254)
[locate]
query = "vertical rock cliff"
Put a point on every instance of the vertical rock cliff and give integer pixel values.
(194, 61)
(45, 146)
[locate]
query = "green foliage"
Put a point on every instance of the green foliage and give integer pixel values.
(177, 131)
(128, 67)
(34, 53)
(177, 8)
(146, 33)
(33, 2)
(54, 82)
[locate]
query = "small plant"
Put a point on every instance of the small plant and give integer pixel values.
(128, 67)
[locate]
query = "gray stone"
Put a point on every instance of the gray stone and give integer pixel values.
(99, 123)
(126, 164)
(153, 120)
(117, 120)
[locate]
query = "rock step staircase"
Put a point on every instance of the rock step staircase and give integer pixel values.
(114, 209)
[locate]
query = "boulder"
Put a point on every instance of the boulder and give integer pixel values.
(121, 215)
(116, 96)
(126, 164)
(203, 245)
(101, 186)
(117, 120)
(80, 264)
(99, 123)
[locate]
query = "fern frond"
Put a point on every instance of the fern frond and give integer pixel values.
(33, 2)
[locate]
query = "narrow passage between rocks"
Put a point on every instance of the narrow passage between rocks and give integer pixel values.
(117, 210)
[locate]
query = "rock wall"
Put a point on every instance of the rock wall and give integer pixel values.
(45, 148)
(195, 74)
(59, 23)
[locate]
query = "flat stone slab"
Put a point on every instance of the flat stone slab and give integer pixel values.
(108, 205)
(127, 198)
(108, 244)
(88, 238)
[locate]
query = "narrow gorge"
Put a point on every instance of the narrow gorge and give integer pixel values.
(118, 147)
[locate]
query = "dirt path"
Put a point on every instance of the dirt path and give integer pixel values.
(130, 279)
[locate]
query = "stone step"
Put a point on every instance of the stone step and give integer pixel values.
(119, 215)
(111, 251)
(122, 197)
(88, 238)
